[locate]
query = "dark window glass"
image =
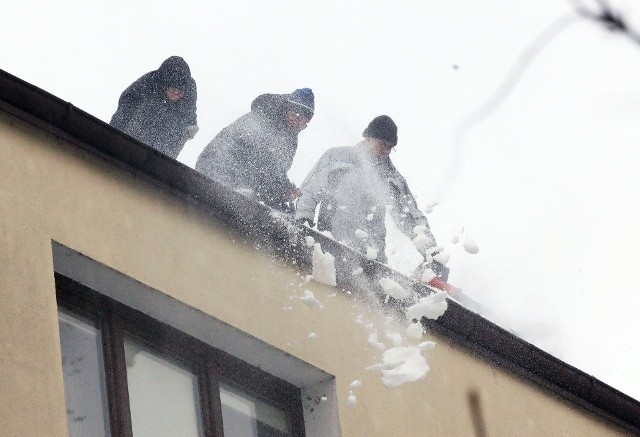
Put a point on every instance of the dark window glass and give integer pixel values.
(163, 397)
(246, 416)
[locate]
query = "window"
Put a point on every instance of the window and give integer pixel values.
(83, 370)
(127, 374)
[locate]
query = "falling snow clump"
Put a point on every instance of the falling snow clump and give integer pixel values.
(361, 234)
(372, 253)
(421, 240)
(401, 365)
(431, 307)
(373, 341)
(323, 267)
(470, 246)
(414, 330)
(426, 345)
(351, 400)
(393, 289)
(441, 257)
(356, 384)
(395, 337)
(310, 300)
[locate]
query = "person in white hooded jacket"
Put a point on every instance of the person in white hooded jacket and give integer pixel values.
(355, 187)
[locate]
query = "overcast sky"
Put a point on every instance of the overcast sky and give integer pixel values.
(547, 185)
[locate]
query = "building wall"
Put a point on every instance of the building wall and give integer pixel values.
(51, 190)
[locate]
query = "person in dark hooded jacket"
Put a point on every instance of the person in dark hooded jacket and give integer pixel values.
(159, 108)
(255, 152)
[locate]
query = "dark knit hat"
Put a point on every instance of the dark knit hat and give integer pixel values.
(383, 128)
(302, 99)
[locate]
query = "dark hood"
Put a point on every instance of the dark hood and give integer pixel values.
(174, 72)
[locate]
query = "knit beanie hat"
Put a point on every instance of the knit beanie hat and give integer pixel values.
(383, 128)
(302, 100)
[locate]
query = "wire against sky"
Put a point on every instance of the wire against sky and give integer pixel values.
(606, 16)
(464, 126)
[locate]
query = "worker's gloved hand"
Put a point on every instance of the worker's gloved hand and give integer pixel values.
(192, 130)
(440, 270)
(295, 194)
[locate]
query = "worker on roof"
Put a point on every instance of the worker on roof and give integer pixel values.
(159, 108)
(254, 153)
(356, 186)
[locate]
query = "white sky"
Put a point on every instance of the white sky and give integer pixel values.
(547, 186)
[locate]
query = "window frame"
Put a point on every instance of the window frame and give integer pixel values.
(210, 365)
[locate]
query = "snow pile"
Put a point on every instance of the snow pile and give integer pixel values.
(309, 241)
(393, 289)
(431, 307)
(323, 266)
(310, 300)
(372, 253)
(400, 365)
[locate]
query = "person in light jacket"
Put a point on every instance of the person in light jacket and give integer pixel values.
(355, 187)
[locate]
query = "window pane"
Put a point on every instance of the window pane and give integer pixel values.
(163, 396)
(246, 416)
(84, 383)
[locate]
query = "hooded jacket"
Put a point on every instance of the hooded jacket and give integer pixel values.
(355, 190)
(145, 112)
(255, 152)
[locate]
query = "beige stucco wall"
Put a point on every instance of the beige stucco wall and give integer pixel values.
(51, 190)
